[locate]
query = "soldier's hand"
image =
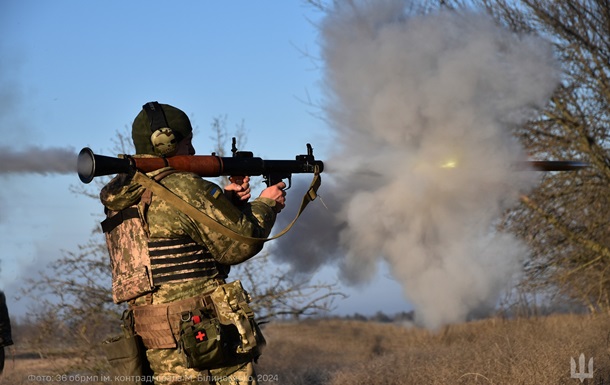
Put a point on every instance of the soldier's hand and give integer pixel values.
(277, 193)
(238, 191)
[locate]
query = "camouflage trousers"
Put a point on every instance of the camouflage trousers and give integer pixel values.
(169, 368)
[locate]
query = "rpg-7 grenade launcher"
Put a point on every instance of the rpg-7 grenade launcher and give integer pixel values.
(242, 163)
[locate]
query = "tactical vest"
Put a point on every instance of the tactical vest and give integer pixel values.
(140, 263)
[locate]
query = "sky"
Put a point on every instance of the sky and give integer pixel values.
(73, 73)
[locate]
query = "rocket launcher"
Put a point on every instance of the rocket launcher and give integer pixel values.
(242, 163)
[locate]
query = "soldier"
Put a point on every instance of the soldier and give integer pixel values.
(5, 329)
(169, 285)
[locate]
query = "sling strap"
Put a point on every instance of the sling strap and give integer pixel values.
(188, 209)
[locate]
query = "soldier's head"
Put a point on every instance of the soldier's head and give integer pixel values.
(162, 130)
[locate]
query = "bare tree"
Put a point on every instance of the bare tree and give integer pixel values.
(282, 295)
(565, 220)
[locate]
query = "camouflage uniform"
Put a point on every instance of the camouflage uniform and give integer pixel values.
(5, 329)
(254, 219)
(163, 221)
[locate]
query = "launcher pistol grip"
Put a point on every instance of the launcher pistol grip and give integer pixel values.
(274, 178)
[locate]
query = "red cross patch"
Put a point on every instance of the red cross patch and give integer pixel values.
(201, 336)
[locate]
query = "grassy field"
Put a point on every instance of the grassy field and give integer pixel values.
(495, 351)
(338, 352)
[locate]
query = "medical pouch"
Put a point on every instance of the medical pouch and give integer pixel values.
(201, 341)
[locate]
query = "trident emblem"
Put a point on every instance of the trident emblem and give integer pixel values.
(582, 371)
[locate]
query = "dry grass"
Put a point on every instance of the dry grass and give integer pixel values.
(29, 369)
(338, 352)
(496, 351)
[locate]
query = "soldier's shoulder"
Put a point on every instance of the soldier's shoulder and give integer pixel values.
(188, 183)
(185, 178)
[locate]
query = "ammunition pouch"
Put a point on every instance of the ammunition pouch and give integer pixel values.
(126, 355)
(232, 308)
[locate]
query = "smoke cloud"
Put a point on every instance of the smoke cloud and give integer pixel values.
(422, 107)
(37, 160)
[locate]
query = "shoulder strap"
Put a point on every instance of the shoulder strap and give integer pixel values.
(199, 216)
(146, 199)
(110, 223)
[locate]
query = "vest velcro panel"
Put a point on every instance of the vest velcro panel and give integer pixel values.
(179, 259)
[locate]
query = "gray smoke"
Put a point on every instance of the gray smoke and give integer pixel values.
(423, 106)
(37, 160)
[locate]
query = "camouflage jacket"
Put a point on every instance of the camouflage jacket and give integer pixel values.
(5, 323)
(254, 219)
